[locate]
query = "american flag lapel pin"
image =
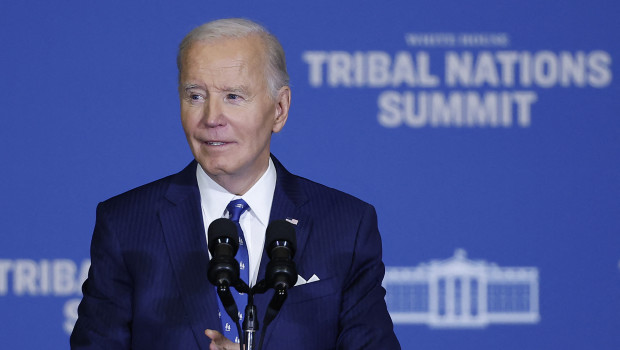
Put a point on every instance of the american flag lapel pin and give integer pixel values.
(292, 221)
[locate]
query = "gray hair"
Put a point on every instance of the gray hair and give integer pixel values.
(275, 72)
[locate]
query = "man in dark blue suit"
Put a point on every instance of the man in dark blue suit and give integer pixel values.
(147, 286)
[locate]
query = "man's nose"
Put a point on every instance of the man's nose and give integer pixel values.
(214, 113)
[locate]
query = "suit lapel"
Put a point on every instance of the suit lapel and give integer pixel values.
(184, 235)
(288, 201)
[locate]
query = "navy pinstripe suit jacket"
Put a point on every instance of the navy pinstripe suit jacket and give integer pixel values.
(147, 286)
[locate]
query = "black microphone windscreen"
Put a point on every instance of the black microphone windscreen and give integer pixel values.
(225, 229)
(281, 230)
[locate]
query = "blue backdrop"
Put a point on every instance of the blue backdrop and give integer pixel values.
(495, 124)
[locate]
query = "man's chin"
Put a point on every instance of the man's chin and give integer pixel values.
(216, 168)
(211, 169)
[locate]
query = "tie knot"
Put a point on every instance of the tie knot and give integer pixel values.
(236, 208)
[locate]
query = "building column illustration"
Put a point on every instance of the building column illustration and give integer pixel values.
(482, 300)
(450, 298)
(466, 297)
(433, 299)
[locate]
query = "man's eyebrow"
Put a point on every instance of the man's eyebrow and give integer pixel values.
(192, 86)
(241, 89)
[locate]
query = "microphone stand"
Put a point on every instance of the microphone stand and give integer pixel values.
(250, 323)
(250, 320)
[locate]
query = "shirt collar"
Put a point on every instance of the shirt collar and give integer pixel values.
(214, 198)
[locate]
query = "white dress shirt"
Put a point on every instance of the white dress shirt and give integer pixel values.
(214, 199)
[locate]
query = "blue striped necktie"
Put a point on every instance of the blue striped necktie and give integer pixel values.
(236, 208)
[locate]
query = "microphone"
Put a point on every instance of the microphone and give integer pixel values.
(280, 244)
(223, 272)
(281, 274)
(223, 242)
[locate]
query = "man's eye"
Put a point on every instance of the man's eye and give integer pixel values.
(233, 97)
(195, 97)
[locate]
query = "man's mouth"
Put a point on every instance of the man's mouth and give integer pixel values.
(215, 143)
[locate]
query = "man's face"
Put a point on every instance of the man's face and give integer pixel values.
(227, 112)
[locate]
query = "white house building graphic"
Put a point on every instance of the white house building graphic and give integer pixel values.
(461, 293)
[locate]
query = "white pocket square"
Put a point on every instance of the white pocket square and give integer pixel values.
(301, 280)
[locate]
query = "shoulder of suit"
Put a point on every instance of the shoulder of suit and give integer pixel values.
(318, 191)
(311, 189)
(145, 195)
(149, 194)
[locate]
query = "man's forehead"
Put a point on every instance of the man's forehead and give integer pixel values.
(220, 76)
(222, 64)
(235, 57)
(233, 48)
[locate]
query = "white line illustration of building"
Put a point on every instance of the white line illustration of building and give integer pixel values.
(462, 293)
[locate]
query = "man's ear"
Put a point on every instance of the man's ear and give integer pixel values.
(283, 103)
